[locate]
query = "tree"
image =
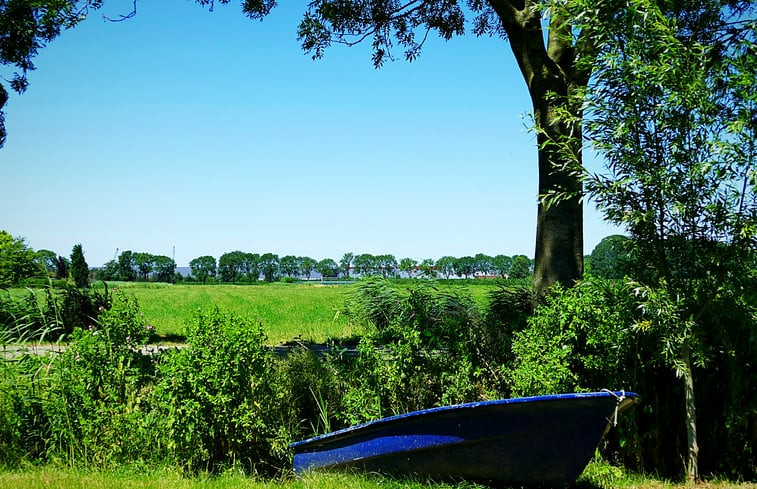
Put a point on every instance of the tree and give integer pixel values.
(345, 263)
(446, 265)
(61, 267)
(269, 266)
(365, 264)
(47, 260)
(251, 266)
(409, 266)
(109, 271)
(427, 268)
(230, 266)
(79, 267)
(127, 266)
(521, 267)
(164, 268)
(387, 265)
(145, 263)
(25, 27)
(328, 268)
(502, 265)
(290, 265)
(203, 267)
(548, 62)
(673, 113)
(484, 264)
(611, 258)
(465, 266)
(17, 260)
(307, 265)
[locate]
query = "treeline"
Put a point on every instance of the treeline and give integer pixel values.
(19, 263)
(132, 266)
(239, 266)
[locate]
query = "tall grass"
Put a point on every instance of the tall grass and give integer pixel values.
(597, 476)
(47, 478)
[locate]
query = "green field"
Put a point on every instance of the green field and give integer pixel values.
(308, 311)
(312, 312)
(303, 311)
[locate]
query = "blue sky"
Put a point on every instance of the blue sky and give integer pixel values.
(206, 132)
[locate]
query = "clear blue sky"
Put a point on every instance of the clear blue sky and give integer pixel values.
(209, 132)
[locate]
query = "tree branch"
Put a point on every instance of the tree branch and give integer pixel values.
(123, 17)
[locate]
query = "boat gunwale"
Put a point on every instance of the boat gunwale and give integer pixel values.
(619, 395)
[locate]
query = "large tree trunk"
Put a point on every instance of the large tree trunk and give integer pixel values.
(559, 226)
(552, 76)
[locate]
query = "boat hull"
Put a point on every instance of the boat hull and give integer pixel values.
(542, 441)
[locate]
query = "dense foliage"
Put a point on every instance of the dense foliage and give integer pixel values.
(227, 401)
(672, 111)
(17, 260)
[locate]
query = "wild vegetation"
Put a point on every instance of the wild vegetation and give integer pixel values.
(672, 111)
(228, 403)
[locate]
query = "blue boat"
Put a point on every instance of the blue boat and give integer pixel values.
(543, 441)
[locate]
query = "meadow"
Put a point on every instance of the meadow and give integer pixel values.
(596, 476)
(164, 416)
(310, 312)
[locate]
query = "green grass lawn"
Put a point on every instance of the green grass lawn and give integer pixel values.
(51, 478)
(311, 312)
(597, 476)
(305, 311)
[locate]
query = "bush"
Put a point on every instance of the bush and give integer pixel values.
(507, 314)
(311, 390)
(578, 339)
(24, 319)
(96, 404)
(418, 352)
(215, 399)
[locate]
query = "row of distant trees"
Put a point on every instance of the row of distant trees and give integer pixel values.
(239, 266)
(18, 261)
(133, 266)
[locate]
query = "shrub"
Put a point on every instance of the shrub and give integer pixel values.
(24, 319)
(578, 339)
(507, 313)
(79, 267)
(417, 353)
(215, 399)
(96, 403)
(311, 389)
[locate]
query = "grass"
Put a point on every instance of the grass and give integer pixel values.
(308, 311)
(47, 478)
(597, 476)
(305, 311)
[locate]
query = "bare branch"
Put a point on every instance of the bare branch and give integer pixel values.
(131, 14)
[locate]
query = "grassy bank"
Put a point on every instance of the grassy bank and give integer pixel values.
(597, 476)
(47, 478)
